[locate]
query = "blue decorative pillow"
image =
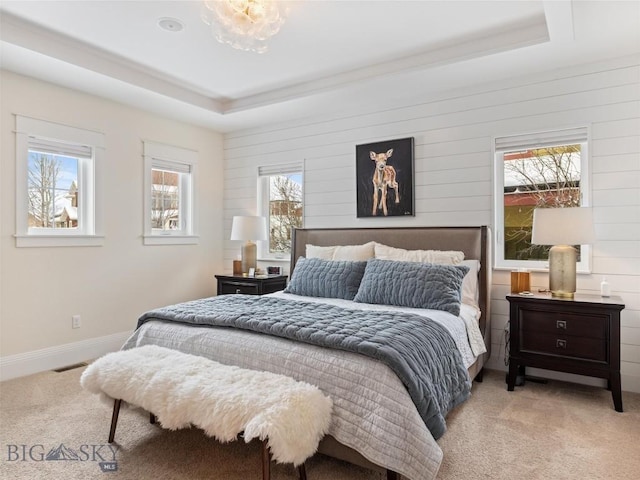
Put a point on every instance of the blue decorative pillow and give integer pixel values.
(315, 277)
(412, 284)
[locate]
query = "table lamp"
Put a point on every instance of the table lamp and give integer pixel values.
(562, 228)
(249, 229)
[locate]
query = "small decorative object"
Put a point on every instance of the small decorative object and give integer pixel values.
(249, 229)
(260, 273)
(605, 288)
(384, 176)
(520, 281)
(252, 272)
(274, 270)
(237, 267)
(562, 228)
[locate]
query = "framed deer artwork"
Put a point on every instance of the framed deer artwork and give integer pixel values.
(384, 176)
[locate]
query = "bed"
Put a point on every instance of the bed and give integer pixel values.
(375, 422)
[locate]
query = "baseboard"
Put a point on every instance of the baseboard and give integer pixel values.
(630, 383)
(21, 364)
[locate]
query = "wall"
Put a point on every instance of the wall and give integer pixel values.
(453, 170)
(109, 286)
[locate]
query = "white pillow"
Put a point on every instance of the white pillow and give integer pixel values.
(443, 257)
(352, 253)
(325, 253)
(470, 293)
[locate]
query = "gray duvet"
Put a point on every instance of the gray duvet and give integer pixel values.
(421, 352)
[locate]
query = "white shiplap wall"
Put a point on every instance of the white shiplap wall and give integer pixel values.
(453, 170)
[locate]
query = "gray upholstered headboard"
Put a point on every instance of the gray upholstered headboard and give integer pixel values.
(473, 241)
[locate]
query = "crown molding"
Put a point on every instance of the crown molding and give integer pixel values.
(25, 34)
(531, 32)
(22, 33)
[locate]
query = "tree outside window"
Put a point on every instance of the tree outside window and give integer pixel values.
(285, 210)
(546, 177)
(165, 199)
(52, 191)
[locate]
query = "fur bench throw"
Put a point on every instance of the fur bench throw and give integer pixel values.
(182, 389)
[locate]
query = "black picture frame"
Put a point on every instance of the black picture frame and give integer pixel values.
(401, 162)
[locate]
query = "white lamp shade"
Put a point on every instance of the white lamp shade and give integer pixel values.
(563, 226)
(249, 228)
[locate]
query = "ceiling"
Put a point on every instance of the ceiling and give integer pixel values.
(330, 56)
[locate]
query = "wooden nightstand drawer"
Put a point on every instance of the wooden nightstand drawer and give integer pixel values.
(562, 323)
(237, 287)
(564, 346)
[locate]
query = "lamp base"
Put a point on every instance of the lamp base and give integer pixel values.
(562, 294)
(249, 256)
(562, 271)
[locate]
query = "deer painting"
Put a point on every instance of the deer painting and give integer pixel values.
(384, 177)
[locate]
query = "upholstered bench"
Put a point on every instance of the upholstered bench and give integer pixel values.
(180, 390)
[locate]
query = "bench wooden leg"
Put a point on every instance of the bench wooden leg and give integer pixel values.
(266, 464)
(266, 461)
(114, 419)
(302, 472)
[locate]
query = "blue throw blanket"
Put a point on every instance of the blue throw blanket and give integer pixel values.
(420, 351)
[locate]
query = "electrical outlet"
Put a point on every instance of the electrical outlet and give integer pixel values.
(75, 321)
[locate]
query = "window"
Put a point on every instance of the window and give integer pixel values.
(549, 170)
(58, 186)
(280, 200)
(169, 195)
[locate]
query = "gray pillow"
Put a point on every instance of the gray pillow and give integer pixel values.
(315, 277)
(412, 284)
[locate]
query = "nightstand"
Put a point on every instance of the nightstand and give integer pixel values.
(579, 335)
(250, 285)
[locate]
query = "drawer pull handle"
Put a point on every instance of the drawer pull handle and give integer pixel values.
(561, 343)
(561, 324)
(237, 290)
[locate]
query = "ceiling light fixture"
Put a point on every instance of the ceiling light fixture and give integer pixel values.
(244, 24)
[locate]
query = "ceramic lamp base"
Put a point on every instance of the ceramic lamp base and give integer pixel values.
(249, 256)
(562, 271)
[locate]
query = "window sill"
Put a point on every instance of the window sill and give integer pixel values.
(274, 259)
(579, 270)
(59, 240)
(170, 239)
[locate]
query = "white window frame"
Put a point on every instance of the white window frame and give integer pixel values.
(66, 140)
(501, 145)
(183, 161)
(265, 172)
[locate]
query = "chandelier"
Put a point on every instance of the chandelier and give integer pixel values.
(244, 24)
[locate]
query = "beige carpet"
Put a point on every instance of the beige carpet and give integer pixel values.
(553, 431)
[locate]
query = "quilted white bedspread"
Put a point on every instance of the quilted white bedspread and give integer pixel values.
(372, 411)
